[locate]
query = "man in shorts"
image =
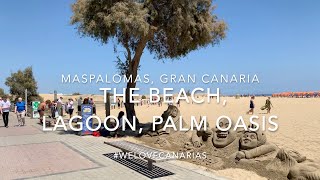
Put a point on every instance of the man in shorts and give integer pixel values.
(20, 110)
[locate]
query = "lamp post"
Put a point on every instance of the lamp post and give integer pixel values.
(26, 99)
(55, 95)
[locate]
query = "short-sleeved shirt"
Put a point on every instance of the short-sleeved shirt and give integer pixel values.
(21, 106)
(79, 102)
(5, 106)
(60, 101)
(70, 105)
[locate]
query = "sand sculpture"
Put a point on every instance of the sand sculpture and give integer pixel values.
(172, 111)
(217, 144)
(306, 170)
(284, 160)
(254, 145)
(168, 138)
(198, 138)
(251, 146)
(162, 142)
(221, 139)
(295, 166)
(214, 136)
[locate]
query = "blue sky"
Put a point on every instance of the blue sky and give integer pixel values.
(277, 40)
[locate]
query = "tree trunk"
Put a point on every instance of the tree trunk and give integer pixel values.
(133, 70)
(130, 106)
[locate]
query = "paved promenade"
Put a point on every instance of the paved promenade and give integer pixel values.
(29, 153)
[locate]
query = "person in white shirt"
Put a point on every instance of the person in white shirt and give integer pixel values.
(4, 110)
(70, 107)
(0, 104)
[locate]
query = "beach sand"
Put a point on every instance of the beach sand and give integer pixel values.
(298, 120)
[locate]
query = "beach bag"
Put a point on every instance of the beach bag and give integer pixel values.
(263, 108)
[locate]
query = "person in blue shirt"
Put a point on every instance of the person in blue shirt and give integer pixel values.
(20, 110)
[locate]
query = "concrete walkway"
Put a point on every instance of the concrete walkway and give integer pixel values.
(29, 153)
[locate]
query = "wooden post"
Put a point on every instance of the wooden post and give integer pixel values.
(26, 100)
(55, 95)
(107, 105)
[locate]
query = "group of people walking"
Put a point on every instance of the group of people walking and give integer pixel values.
(19, 110)
(58, 107)
(267, 105)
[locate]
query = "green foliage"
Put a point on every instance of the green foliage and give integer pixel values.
(2, 92)
(122, 66)
(76, 94)
(143, 97)
(169, 28)
(21, 80)
(35, 98)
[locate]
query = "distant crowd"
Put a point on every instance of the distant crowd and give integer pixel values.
(58, 107)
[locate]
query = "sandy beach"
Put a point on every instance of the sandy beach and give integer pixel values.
(298, 120)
